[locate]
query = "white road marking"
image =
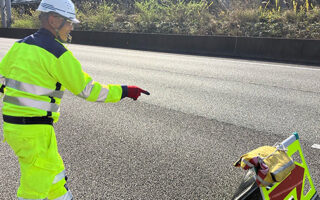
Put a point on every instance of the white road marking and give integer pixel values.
(284, 65)
(316, 146)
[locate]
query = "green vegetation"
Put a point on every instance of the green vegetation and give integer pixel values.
(25, 20)
(297, 19)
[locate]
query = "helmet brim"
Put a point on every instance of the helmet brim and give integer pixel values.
(75, 21)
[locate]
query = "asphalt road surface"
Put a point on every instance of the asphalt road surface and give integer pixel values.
(181, 141)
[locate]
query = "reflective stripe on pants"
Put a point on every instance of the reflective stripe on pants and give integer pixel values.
(59, 177)
(66, 196)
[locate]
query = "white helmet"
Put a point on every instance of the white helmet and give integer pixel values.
(64, 8)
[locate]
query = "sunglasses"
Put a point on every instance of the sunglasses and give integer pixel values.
(66, 19)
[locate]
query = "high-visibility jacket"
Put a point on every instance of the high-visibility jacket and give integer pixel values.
(37, 70)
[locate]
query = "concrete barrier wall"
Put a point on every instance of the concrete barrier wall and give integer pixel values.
(285, 50)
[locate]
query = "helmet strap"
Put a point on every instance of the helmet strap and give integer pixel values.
(58, 34)
(69, 38)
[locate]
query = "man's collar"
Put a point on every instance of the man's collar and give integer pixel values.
(44, 31)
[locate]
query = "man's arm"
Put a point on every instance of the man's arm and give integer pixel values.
(69, 73)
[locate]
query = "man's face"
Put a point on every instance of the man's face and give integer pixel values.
(66, 28)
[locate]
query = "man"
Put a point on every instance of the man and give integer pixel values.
(35, 73)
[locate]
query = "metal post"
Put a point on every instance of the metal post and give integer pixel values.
(3, 16)
(8, 7)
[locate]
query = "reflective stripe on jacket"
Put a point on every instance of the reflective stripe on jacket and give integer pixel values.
(36, 71)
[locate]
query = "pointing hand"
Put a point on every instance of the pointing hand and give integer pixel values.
(132, 92)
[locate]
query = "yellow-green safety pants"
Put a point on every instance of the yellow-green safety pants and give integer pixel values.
(41, 167)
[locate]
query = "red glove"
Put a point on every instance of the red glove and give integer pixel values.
(132, 92)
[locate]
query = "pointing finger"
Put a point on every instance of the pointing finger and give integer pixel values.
(145, 92)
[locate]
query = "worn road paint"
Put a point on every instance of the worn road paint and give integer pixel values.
(316, 146)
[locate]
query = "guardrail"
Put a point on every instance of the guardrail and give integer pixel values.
(274, 49)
